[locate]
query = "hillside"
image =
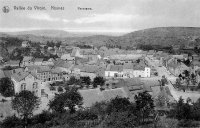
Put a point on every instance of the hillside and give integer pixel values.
(46, 33)
(163, 36)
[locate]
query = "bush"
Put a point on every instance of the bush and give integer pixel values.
(188, 123)
(3, 100)
(52, 88)
(11, 122)
(42, 118)
(6, 87)
(60, 89)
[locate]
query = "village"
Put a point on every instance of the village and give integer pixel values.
(119, 72)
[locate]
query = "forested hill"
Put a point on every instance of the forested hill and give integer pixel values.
(163, 36)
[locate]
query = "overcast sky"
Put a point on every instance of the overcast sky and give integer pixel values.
(105, 16)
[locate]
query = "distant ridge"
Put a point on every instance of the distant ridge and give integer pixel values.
(164, 36)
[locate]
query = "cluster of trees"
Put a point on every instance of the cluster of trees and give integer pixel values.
(18, 53)
(52, 44)
(12, 41)
(187, 113)
(84, 46)
(98, 80)
(65, 111)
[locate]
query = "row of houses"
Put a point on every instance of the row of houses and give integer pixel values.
(128, 70)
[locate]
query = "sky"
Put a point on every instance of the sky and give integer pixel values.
(106, 15)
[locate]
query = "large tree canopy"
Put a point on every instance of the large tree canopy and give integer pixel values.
(25, 103)
(69, 99)
(6, 87)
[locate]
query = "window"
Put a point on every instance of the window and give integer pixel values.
(23, 86)
(35, 85)
(42, 92)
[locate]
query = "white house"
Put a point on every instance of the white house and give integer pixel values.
(27, 61)
(25, 44)
(114, 71)
(38, 61)
(26, 81)
(127, 71)
(49, 62)
(68, 57)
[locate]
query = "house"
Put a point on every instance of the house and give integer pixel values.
(150, 53)
(86, 70)
(114, 71)
(27, 61)
(177, 68)
(136, 70)
(26, 81)
(12, 63)
(38, 61)
(76, 53)
(125, 58)
(25, 44)
(45, 73)
(48, 62)
(68, 57)
(128, 70)
(66, 67)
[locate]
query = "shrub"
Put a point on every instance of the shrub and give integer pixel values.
(3, 100)
(187, 123)
(60, 89)
(11, 122)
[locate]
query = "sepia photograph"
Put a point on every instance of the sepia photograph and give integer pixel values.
(99, 63)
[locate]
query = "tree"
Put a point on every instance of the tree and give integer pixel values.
(60, 89)
(164, 81)
(144, 105)
(178, 82)
(187, 73)
(118, 104)
(98, 80)
(70, 99)
(6, 87)
(58, 44)
(193, 78)
(183, 110)
(11, 122)
(86, 80)
(25, 103)
(73, 81)
(100, 109)
(120, 120)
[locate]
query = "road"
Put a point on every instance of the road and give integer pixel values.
(176, 94)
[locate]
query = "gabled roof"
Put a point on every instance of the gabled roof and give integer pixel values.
(13, 62)
(125, 57)
(87, 68)
(25, 42)
(21, 75)
(139, 67)
(27, 58)
(66, 57)
(38, 59)
(128, 66)
(118, 68)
